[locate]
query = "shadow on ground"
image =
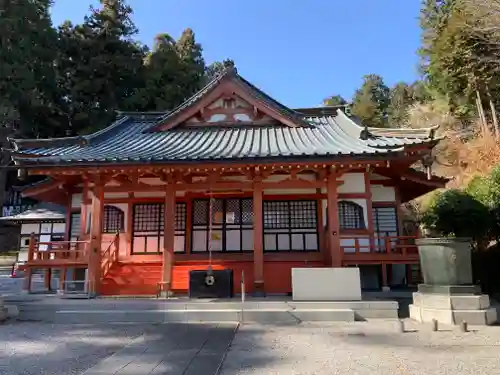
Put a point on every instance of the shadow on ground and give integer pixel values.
(188, 349)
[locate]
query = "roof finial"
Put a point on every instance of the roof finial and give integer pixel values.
(365, 133)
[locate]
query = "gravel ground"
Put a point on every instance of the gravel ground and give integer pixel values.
(372, 348)
(362, 348)
(43, 349)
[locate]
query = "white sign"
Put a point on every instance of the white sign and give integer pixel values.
(230, 217)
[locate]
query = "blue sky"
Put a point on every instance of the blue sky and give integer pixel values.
(297, 51)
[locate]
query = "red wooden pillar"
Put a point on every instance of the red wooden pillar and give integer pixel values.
(258, 246)
(168, 237)
(29, 271)
(83, 210)
(369, 210)
(333, 220)
(97, 211)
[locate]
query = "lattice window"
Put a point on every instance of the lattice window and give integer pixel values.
(200, 212)
(351, 216)
(180, 216)
(385, 220)
(232, 223)
(148, 217)
(147, 228)
(385, 223)
(290, 225)
(113, 220)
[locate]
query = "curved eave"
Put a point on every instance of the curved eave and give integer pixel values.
(422, 134)
(21, 144)
(385, 155)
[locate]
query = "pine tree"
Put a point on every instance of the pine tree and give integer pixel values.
(371, 101)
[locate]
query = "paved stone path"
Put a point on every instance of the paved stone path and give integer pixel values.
(184, 349)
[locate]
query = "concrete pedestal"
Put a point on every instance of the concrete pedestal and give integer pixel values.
(326, 284)
(452, 309)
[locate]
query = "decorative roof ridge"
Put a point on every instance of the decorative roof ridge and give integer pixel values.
(142, 114)
(64, 141)
(44, 181)
(44, 142)
(433, 176)
(227, 72)
(423, 133)
(289, 112)
(320, 111)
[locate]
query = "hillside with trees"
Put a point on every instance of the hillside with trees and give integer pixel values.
(69, 79)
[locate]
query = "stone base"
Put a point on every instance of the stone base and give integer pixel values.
(452, 309)
(449, 289)
(258, 287)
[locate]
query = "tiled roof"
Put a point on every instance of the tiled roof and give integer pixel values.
(320, 133)
(128, 140)
(42, 211)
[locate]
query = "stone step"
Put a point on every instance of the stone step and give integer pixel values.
(447, 316)
(205, 316)
(454, 302)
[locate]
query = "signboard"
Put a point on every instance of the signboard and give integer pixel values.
(14, 210)
(230, 217)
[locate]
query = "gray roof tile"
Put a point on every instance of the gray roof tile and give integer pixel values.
(130, 140)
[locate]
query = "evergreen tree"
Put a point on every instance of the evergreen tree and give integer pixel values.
(100, 66)
(217, 67)
(334, 100)
(26, 64)
(163, 85)
(371, 101)
(192, 62)
(401, 97)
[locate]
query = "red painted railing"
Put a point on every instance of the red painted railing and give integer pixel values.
(377, 249)
(110, 255)
(57, 252)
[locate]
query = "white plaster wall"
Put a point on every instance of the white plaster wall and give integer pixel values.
(29, 228)
(152, 181)
(289, 191)
(76, 200)
(374, 176)
(382, 193)
(235, 178)
(115, 195)
(353, 183)
(149, 194)
(46, 228)
(277, 177)
(59, 228)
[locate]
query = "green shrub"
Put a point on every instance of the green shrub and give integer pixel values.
(456, 213)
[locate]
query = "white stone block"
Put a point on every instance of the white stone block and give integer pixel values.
(326, 284)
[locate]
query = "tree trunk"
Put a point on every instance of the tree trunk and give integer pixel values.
(494, 116)
(480, 111)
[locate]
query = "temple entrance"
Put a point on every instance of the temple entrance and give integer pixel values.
(232, 225)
